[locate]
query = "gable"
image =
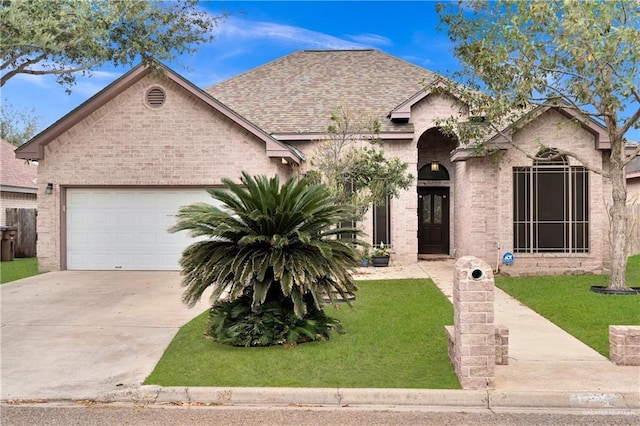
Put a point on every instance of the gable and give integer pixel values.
(34, 149)
(126, 142)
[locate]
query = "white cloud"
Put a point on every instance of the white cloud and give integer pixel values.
(35, 80)
(371, 39)
(240, 30)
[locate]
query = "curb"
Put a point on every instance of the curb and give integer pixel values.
(407, 398)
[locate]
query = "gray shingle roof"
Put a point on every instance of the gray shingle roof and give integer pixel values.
(296, 93)
(16, 173)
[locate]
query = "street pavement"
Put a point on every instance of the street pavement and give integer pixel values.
(97, 415)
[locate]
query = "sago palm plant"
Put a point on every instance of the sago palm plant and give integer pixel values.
(268, 245)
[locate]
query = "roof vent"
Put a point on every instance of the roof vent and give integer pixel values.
(155, 97)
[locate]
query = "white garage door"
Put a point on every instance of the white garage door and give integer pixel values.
(126, 229)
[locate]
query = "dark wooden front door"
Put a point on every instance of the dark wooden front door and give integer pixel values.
(433, 220)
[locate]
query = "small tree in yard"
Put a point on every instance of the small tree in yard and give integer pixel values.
(581, 55)
(351, 163)
(271, 254)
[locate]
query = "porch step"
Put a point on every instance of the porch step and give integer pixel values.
(434, 257)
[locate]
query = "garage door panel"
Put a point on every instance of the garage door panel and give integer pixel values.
(111, 228)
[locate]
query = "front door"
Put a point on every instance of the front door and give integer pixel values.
(433, 220)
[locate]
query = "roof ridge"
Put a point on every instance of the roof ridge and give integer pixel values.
(338, 50)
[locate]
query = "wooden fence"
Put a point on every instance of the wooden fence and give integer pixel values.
(26, 236)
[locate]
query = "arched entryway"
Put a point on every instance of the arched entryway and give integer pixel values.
(434, 192)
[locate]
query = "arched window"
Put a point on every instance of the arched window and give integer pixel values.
(433, 171)
(550, 206)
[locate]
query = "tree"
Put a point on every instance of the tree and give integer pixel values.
(17, 126)
(271, 248)
(351, 164)
(583, 56)
(66, 37)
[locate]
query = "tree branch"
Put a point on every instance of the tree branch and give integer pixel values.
(560, 152)
(21, 68)
(630, 122)
(631, 156)
(12, 73)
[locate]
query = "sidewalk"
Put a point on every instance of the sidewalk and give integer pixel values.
(542, 356)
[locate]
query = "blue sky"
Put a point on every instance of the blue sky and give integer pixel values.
(258, 32)
(261, 31)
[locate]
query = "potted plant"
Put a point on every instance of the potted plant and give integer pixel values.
(380, 255)
(366, 258)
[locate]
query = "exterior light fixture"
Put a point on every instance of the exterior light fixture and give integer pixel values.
(435, 166)
(49, 189)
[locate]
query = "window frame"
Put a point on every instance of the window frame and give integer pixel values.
(382, 211)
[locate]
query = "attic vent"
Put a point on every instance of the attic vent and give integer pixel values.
(155, 97)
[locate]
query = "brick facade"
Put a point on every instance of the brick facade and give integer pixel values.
(127, 143)
(472, 345)
(624, 344)
(553, 130)
(188, 143)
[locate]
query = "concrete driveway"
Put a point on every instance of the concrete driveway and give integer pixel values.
(78, 334)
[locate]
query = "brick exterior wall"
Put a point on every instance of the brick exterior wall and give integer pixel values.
(553, 130)
(127, 143)
(624, 344)
(502, 345)
(15, 200)
(187, 143)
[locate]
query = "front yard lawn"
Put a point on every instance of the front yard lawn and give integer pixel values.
(394, 338)
(16, 269)
(568, 303)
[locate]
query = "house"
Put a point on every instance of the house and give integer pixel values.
(633, 181)
(17, 182)
(122, 163)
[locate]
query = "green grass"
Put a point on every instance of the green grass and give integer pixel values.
(394, 338)
(567, 302)
(18, 268)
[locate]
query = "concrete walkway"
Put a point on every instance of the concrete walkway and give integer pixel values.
(542, 356)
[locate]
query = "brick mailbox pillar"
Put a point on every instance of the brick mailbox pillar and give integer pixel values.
(473, 350)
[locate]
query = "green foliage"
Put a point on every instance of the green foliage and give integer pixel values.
(17, 269)
(522, 56)
(585, 55)
(389, 342)
(354, 167)
(18, 126)
(273, 323)
(277, 241)
(63, 37)
(381, 250)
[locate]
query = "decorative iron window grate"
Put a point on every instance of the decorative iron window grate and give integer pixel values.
(551, 208)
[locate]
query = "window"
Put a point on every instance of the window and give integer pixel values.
(348, 189)
(551, 207)
(382, 224)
